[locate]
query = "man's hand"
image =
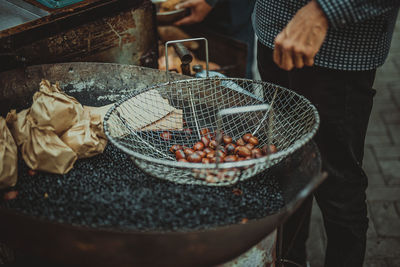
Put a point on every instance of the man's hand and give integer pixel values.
(301, 39)
(198, 8)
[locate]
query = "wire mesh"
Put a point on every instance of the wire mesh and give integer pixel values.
(147, 123)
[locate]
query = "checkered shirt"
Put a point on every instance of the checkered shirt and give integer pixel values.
(359, 34)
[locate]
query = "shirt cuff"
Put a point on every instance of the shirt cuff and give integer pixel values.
(211, 2)
(338, 12)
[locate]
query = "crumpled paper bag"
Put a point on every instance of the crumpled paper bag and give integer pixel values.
(86, 138)
(53, 108)
(8, 156)
(40, 146)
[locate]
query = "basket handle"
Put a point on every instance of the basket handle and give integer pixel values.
(183, 41)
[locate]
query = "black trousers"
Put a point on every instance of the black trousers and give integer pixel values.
(344, 102)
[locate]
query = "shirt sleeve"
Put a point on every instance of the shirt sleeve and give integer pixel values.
(342, 12)
(212, 2)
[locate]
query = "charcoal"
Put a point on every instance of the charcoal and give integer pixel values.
(109, 191)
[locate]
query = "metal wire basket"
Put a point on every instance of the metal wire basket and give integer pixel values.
(233, 106)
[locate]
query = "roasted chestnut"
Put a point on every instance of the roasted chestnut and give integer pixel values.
(205, 160)
(201, 153)
(175, 148)
(253, 140)
(249, 146)
(188, 151)
(179, 154)
(221, 148)
(243, 151)
(230, 148)
(220, 154)
(271, 149)
(205, 140)
(213, 144)
(246, 137)
(256, 153)
(204, 131)
(231, 158)
(215, 160)
(210, 155)
(198, 146)
(240, 142)
(194, 157)
(227, 139)
(208, 150)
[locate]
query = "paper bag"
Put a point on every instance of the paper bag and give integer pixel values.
(40, 147)
(53, 108)
(86, 138)
(8, 157)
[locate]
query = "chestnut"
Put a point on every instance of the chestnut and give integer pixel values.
(269, 149)
(208, 150)
(258, 156)
(256, 153)
(236, 150)
(222, 149)
(210, 155)
(204, 131)
(194, 157)
(215, 160)
(188, 151)
(243, 151)
(175, 148)
(213, 144)
(205, 160)
(227, 139)
(249, 146)
(231, 158)
(205, 140)
(246, 137)
(201, 153)
(240, 142)
(253, 140)
(273, 149)
(198, 146)
(179, 154)
(183, 160)
(230, 148)
(220, 154)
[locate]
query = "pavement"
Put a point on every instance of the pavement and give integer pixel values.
(382, 165)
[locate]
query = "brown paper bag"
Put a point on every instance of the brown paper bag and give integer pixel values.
(8, 157)
(19, 126)
(86, 138)
(41, 148)
(53, 108)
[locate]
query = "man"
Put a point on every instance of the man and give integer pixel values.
(328, 51)
(231, 18)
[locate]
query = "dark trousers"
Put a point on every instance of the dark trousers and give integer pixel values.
(344, 102)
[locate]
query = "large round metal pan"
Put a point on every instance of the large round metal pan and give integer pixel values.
(65, 244)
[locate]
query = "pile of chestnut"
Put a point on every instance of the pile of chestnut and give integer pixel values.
(207, 150)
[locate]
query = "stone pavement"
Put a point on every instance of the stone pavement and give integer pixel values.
(382, 165)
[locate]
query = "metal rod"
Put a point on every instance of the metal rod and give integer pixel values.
(235, 110)
(182, 41)
(271, 108)
(194, 113)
